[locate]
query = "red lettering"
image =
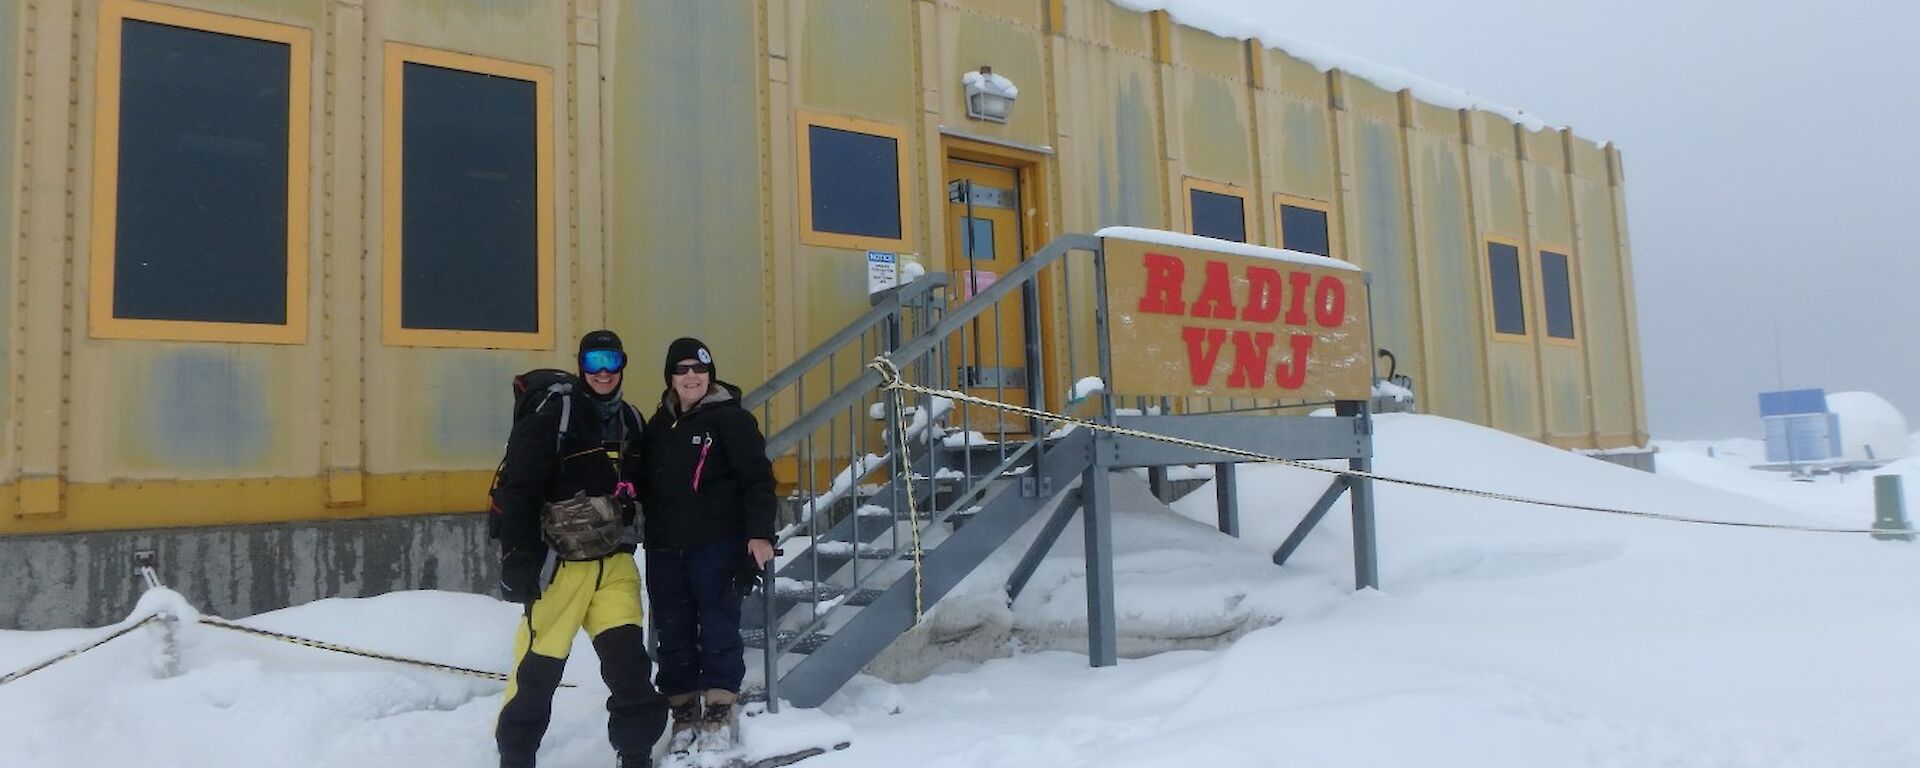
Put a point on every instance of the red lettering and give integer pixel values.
(1250, 358)
(1330, 302)
(1297, 309)
(1293, 373)
(1216, 296)
(1164, 276)
(1263, 295)
(1203, 348)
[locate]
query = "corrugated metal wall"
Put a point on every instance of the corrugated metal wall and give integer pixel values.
(676, 183)
(12, 37)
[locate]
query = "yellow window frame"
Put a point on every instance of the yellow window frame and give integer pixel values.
(398, 55)
(1573, 294)
(1280, 226)
(1190, 183)
(101, 322)
(805, 120)
(1524, 272)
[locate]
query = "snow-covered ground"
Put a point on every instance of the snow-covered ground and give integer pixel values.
(1503, 635)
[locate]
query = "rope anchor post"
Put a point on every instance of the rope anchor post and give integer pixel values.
(1890, 510)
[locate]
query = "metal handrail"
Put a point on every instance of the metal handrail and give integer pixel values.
(885, 306)
(914, 328)
(956, 318)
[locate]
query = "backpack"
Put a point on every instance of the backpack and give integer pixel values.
(531, 391)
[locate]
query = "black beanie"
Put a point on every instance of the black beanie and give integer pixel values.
(687, 348)
(600, 339)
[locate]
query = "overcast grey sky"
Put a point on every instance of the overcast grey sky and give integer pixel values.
(1772, 157)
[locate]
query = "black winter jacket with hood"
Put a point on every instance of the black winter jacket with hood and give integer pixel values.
(543, 466)
(707, 473)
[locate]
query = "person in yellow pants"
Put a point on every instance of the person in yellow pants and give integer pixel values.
(565, 494)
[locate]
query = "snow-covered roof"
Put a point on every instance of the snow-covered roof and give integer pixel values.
(1231, 25)
(1182, 240)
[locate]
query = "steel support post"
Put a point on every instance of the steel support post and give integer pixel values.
(1307, 524)
(1157, 482)
(1366, 563)
(1049, 533)
(1097, 514)
(1226, 495)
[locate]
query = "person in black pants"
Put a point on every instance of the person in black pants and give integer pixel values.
(709, 501)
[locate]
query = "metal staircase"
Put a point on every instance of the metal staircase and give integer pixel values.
(871, 538)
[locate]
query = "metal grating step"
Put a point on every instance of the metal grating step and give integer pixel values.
(866, 553)
(757, 638)
(803, 594)
(864, 597)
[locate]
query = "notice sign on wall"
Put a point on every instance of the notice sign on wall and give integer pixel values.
(883, 271)
(1188, 321)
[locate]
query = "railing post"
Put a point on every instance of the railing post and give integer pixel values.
(1102, 642)
(770, 649)
(1036, 375)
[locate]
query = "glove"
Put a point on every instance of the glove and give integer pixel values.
(748, 578)
(520, 576)
(629, 509)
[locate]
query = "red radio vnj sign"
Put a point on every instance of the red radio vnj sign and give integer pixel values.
(1203, 323)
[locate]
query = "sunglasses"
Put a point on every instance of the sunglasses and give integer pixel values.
(603, 361)
(686, 368)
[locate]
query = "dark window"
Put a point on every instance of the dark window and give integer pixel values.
(470, 250)
(1556, 287)
(856, 182)
(201, 213)
(1218, 216)
(1509, 306)
(1304, 230)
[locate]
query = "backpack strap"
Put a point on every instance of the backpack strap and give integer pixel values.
(566, 420)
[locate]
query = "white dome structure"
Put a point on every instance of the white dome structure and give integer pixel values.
(1868, 421)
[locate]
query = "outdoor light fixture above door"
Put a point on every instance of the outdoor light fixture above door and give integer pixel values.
(989, 96)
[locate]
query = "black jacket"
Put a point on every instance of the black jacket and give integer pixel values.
(542, 465)
(707, 473)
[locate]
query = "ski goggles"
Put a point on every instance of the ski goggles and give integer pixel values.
(686, 368)
(603, 361)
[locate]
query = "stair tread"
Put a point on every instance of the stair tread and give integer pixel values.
(757, 638)
(866, 553)
(864, 597)
(802, 593)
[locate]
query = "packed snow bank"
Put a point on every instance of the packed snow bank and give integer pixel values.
(1837, 500)
(1503, 635)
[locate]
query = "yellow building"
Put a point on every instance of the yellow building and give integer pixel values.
(274, 261)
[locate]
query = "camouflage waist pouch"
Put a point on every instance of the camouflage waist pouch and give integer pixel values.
(583, 527)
